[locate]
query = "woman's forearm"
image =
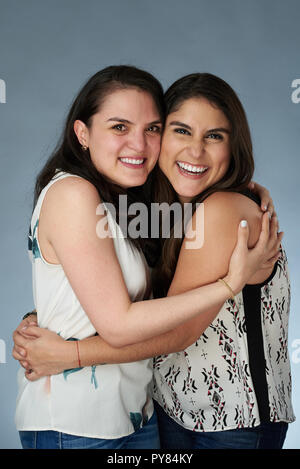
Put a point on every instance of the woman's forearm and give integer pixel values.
(164, 314)
(95, 351)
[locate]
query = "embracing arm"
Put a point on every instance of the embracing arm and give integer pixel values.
(49, 354)
(195, 267)
(266, 202)
(95, 350)
(92, 268)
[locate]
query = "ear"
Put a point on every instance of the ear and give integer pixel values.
(81, 132)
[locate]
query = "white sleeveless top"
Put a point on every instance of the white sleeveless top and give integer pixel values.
(237, 374)
(105, 401)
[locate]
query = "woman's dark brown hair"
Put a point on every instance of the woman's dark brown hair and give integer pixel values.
(238, 175)
(69, 155)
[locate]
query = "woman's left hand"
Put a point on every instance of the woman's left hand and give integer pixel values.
(264, 195)
(245, 262)
(41, 352)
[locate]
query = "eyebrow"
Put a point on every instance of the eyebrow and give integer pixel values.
(181, 124)
(219, 129)
(125, 121)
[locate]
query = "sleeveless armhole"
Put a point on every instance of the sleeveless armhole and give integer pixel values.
(34, 248)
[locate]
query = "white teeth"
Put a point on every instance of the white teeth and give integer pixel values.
(131, 161)
(190, 168)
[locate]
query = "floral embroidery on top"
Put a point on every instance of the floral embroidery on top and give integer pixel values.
(33, 245)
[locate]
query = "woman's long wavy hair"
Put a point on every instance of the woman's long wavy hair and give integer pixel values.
(238, 175)
(69, 155)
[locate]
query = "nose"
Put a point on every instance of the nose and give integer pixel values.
(137, 141)
(196, 149)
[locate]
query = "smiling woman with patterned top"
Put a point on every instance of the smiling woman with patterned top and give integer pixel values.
(232, 387)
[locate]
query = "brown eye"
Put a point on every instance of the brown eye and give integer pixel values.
(182, 131)
(215, 136)
(154, 129)
(120, 127)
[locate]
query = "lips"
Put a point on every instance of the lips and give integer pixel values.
(193, 171)
(134, 163)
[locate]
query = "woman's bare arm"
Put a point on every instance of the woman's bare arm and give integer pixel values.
(49, 354)
(92, 268)
(96, 350)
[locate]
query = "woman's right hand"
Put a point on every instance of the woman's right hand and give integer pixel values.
(19, 351)
(45, 352)
(244, 262)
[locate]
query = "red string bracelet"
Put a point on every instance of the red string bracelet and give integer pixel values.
(77, 346)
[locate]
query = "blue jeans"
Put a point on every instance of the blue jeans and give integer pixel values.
(146, 437)
(174, 436)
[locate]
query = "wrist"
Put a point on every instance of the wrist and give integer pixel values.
(234, 283)
(230, 292)
(69, 356)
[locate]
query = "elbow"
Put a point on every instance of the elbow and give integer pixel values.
(182, 342)
(116, 337)
(114, 340)
(188, 341)
(120, 331)
(118, 342)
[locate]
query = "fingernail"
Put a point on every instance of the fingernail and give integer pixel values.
(22, 353)
(243, 223)
(265, 207)
(25, 327)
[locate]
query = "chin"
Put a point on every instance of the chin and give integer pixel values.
(135, 182)
(188, 193)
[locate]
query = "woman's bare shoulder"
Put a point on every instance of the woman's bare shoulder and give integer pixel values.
(233, 201)
(217, 228)
(71, 201)
(224, 211)
(72, 187)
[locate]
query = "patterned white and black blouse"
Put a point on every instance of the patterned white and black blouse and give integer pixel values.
(237, 374)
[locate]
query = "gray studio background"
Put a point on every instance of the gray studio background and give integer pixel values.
(49, 48)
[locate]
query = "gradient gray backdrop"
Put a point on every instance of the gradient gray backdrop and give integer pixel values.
(49, 48)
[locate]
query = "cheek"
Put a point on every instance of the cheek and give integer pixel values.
(169, 150)
(155, 146)
(163, 160)
(222, 158)
(105, 147)
(162, 155)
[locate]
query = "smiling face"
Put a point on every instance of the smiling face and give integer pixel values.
(195, 151)
(123, 137)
